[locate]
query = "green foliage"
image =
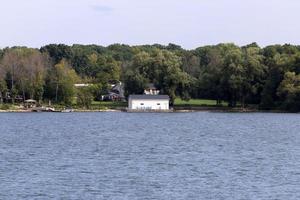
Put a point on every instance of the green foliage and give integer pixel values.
(57, 52)
(26, 70)
(4, 106)
(97, 90)
(85, 97)
(3, 89)
(60, 83)
(289, 91)
(134, 83)
(161, 67)
(240, 76)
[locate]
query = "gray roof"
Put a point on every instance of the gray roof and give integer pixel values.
(149, 97)
(30, 101)
(150, 86)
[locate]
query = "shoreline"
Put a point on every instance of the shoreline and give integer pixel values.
(178, 110)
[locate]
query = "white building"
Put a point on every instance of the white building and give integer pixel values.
(148, 102)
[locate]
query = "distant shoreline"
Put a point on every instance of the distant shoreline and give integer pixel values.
(177, 110)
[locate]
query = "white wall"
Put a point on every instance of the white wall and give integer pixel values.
(142, 104)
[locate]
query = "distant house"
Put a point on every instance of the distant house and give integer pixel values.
(116, 93)
(148, 102)
(8, 98)
(151, 90)
(30, 103)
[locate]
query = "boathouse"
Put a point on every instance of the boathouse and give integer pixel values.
(148, 102)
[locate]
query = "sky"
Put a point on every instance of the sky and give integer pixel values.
(189, 23)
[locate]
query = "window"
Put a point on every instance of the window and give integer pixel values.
(158, 104)
(142, 104)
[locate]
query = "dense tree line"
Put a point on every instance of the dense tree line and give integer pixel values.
(268, 77)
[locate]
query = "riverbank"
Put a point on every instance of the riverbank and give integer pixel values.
(60, 111)
(175, 110)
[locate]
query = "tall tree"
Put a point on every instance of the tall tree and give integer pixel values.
(3, 86)
(12, 63)
(254, 74)
(36, 65)
(135, 83)
(232, 73)
(210, 73)
(289, 91)
(61, 83)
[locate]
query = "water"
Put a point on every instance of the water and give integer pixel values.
(149, 156)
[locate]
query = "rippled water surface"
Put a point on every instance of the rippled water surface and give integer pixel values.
(149, 156)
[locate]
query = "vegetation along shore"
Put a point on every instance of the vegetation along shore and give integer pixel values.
(221, 77)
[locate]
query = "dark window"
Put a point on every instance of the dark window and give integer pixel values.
(142, 104)
(158, 104)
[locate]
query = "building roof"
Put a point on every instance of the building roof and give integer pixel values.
(149, 97)
(30, 101)
(150, 86)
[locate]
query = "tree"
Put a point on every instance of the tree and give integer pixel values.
(12, 62)
(60, 81)
(191, 64)
(232, 73)
(57, 52)
(3, 86)
(85, 97)
(210, 73)
(108, 69)
(169, 76)
(254, 74)
(121, 52)
(279, 60)
(135, 83)
(26, 69)
(34, 66)
(289, 91)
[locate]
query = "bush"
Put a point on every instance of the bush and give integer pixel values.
(84, 97)
(4, 107)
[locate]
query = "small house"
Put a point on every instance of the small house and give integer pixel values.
(151, 90)
(148, 102)
(30, 103)
(116, 93)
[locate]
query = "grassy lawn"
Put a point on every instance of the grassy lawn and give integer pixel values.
(178, 103)
(8, 107)
(197, 102)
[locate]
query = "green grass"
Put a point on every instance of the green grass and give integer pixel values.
(5, 106)
(178, 103)
(197, 102)
(9, 106)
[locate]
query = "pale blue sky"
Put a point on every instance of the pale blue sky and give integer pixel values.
(189, 23)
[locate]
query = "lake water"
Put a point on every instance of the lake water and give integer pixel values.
(149, 156)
